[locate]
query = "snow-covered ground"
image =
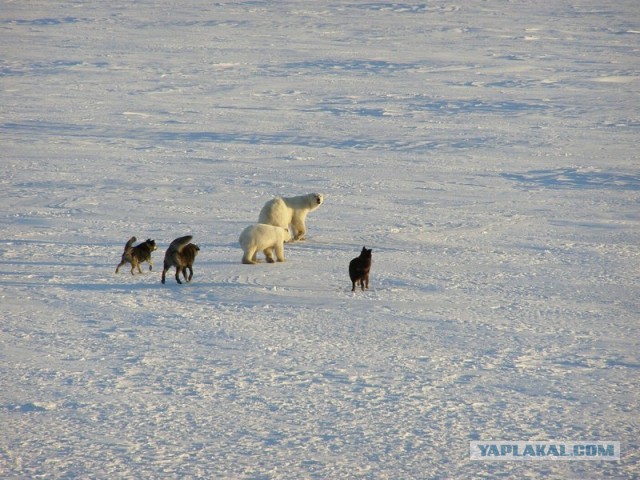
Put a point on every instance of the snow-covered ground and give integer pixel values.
(487, 151)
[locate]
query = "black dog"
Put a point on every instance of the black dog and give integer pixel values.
(180, 254)
(359, 269)
(138, 254)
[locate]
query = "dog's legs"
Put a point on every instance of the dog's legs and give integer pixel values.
(184, 274)
(190, 273)
(150, 265)
(121, 264)
(178, 270)
(164, 272)
(366, 279)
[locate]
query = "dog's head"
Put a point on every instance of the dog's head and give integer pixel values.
(151, 244)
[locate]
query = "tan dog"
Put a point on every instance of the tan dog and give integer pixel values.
(138, 254)
(180, 254)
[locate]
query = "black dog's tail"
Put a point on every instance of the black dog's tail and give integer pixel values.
(129, 244)
(180, 242)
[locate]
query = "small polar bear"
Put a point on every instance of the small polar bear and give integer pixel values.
(285, 211)
(265, 238)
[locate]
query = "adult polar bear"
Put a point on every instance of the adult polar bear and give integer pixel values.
(285, 211)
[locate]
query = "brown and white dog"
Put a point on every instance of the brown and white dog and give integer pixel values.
(138, 254)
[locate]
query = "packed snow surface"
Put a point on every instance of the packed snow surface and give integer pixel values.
(487, 151)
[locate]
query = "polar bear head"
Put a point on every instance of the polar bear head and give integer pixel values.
(287, 235)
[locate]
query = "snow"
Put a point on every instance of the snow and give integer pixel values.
(486, 152)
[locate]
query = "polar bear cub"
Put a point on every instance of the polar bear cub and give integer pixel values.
(285, 211)
(265, 238)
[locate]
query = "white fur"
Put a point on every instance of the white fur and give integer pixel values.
(265, 238)
(285, 211)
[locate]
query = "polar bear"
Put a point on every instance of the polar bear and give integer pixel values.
(285, 211)
(264, 238)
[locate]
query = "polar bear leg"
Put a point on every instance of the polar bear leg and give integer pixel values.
(249, 256)
(298, 226)
(268, 252)
(280, 252)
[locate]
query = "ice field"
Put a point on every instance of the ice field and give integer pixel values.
(487, 151)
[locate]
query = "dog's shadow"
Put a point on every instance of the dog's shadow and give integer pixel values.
(114, 287)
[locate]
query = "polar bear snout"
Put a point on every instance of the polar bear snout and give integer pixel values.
(319, 198)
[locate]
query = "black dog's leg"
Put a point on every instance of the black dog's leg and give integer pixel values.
(178, 270)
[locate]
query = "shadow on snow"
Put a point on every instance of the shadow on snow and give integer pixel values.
(575, 178)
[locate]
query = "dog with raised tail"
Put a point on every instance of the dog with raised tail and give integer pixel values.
(359, 269)
(180, 254)
(138, 254)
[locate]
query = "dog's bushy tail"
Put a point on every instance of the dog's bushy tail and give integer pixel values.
(129, 244)
(180, 242)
